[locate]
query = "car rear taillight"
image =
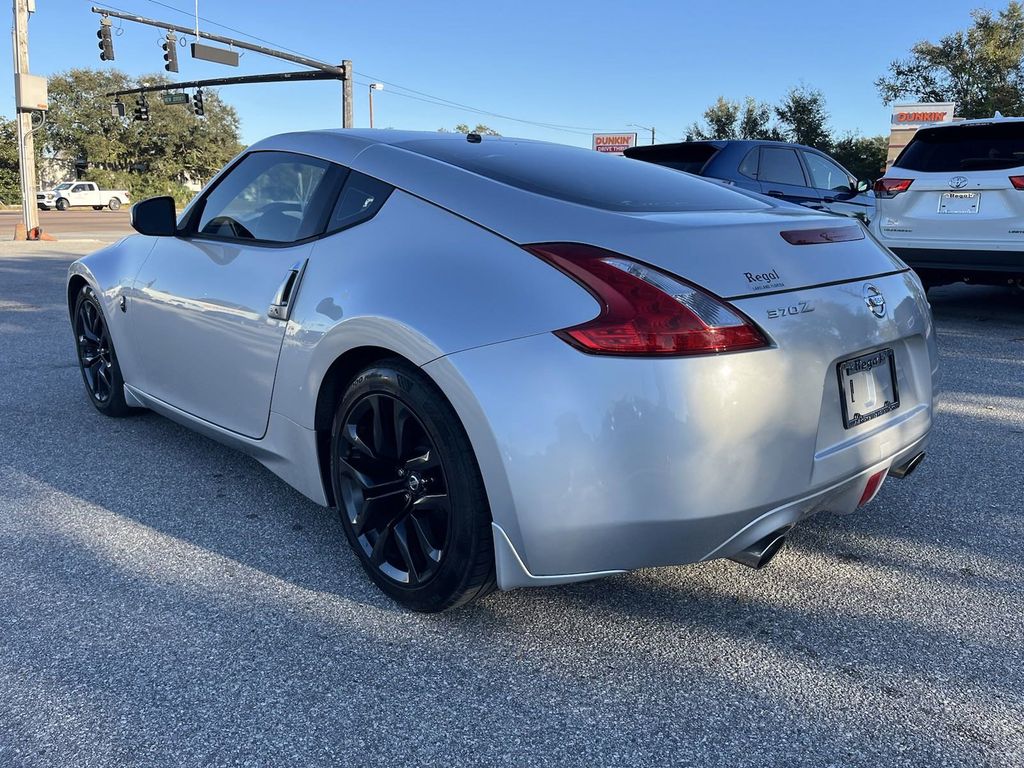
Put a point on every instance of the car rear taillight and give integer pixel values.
(1017, 181)
(871, 489)
(645, 311)
(886, 188)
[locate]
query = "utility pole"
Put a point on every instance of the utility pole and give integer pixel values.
(347, 118)
(26, 142)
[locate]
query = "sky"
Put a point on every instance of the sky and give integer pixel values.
(580, 66)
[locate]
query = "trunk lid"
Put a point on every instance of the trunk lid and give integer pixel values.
(744, 253)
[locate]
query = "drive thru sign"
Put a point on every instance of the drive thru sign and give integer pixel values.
(614, 143)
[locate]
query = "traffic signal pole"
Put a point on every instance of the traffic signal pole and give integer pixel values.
(26, 141)
(341, 72)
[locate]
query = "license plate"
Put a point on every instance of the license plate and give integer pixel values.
(959, 202)
(868, 387)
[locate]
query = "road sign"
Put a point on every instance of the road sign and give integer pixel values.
(176, 98)
(614, 143)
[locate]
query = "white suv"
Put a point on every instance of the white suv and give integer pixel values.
(952, 205)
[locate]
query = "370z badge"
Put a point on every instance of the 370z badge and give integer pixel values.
(800, 308)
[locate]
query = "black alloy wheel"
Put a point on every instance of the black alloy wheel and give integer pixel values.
(394, 490)
(96, 357)
(409, 489)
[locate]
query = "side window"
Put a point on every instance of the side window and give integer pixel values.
(827, 175)
(80, 188)
(275, 197)
(749, 165)
(360, 199)
(782, 166)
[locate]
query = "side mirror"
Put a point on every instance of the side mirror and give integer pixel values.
(155, 216)
(862, 186)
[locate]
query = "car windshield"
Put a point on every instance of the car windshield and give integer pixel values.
(583, 176)
(65, 185)
(987, 147)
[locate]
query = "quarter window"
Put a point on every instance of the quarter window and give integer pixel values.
(827, 175)
(274, 197)
(781, 166)
(360, 199)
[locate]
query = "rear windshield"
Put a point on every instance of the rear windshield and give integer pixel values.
(583, 176)
(690, 157)
(965, 148)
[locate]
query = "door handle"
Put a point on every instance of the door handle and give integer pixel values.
(829, 199)
(281, 307)
(774, 193)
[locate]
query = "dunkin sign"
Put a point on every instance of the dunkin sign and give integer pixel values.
(916, 115)
(614, 143)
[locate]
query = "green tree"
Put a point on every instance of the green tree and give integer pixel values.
(727, 119)
(863, 156)
(146, 157)
(10, 182)
(482, 129)
(980, 68)
(804, 119)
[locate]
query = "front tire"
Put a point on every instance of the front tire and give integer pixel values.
(62, 204)
(97, 361)
(409, 490)
(97, 207)
(114, 204)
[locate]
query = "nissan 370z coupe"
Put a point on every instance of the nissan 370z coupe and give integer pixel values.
(515, 363)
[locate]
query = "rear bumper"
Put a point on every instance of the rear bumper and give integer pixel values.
(841, 498)
(963, 260)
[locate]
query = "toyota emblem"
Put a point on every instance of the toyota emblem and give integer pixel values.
(875, 300)
(958, 182)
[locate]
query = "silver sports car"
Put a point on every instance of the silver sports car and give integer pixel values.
(511, 363)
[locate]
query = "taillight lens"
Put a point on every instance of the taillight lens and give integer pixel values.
(645, 311)
(891, 187)
(1017, 181)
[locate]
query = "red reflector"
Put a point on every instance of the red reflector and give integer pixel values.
(874, 483)
(891, 187)
(1017, 181)
(645, 311)
(828, 235)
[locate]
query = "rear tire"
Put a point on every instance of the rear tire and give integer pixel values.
(97, 361)
(409, 490)
(62, 204)
(114, 204)
(97, 207)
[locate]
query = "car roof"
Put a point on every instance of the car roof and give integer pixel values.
(996, 120)
(650, 149)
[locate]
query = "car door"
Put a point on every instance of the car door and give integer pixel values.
(80, 194)
(211, 304)
(838, 189)
(781, 175)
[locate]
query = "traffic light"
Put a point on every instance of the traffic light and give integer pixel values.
(141, 109)
(197, 103)
(170, 46)
(106, 43)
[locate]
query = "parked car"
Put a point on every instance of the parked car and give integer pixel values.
(791, 172)
(71, 194)
(515, 362)
(952, 205)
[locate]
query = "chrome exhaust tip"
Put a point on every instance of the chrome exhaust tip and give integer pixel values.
(761, 552)
(906, 470)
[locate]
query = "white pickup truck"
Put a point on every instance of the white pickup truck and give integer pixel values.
(81, 193)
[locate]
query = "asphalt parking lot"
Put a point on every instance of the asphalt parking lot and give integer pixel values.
(167, 601)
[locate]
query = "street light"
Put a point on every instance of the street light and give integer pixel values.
(374, 87)
(645, 128)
